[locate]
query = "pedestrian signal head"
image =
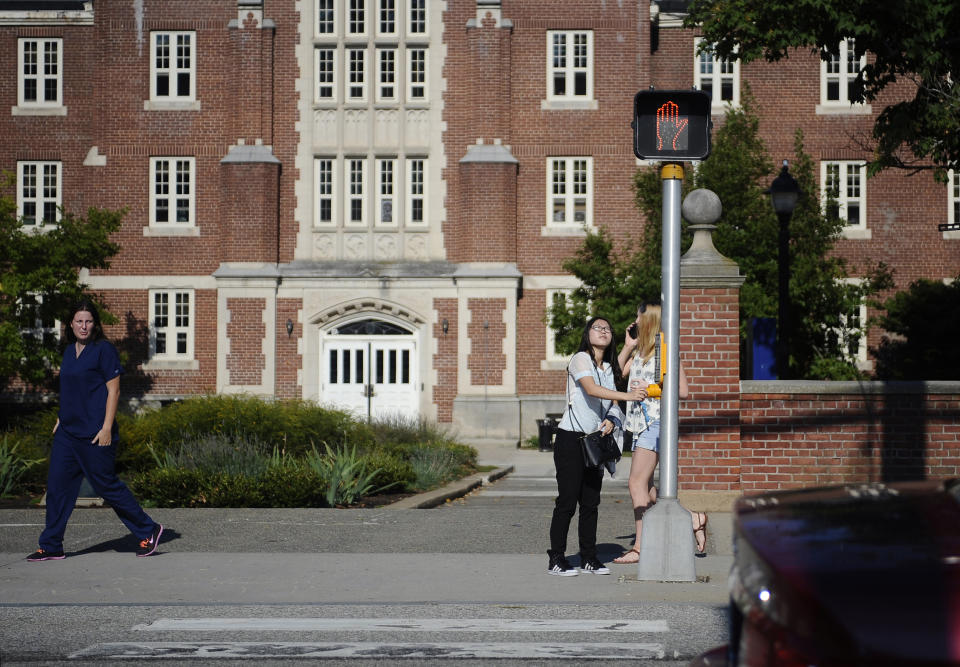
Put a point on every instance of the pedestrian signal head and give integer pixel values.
(671, 125)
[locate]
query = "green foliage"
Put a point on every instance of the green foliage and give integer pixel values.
(434, 467)
(912, 41)
(922, 321)
(347, 475)
(13, 465)
(238, 455)
(39, 282)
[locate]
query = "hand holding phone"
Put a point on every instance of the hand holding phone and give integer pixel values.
(632, 330)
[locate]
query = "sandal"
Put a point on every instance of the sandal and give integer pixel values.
(627, 559)
(700, 532)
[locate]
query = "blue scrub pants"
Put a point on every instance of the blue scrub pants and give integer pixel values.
(70, 461)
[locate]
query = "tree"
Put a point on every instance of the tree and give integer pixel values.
(912, 40)
(738, 170)
(39, 282)
(922, 321)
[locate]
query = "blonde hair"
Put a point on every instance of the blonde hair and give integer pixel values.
(648, 329)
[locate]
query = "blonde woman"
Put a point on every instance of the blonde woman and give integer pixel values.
(643, 364)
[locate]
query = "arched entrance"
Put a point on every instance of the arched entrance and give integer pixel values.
(368, 366)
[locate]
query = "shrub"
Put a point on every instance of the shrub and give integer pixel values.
(13, 465)
(346, 474)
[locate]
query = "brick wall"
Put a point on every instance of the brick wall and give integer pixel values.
(445, 360)
(245, 331)
(486, 361)
(289, 358)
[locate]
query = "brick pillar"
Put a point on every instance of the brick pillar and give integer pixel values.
(487, 223)
(709, 456)
(249, 208)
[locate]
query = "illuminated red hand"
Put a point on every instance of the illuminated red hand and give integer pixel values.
(669, 125)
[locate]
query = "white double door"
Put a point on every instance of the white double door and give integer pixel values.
(371, 378)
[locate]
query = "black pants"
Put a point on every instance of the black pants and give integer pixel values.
(576, 484)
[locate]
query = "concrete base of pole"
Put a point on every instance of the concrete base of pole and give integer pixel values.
(666, 545)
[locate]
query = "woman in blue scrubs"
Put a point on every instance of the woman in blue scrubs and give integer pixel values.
(85, 438)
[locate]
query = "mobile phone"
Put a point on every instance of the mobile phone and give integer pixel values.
(632, 330)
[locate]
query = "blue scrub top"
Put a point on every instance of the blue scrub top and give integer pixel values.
(83, 388)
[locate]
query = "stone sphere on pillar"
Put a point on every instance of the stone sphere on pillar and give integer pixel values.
(701, 207)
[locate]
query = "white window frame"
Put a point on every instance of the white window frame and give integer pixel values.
(352, 10)
(174, 303)
(707, 67)
(174, 165)
(330, 84)
(860, 355)
(838, 69)
(852, 175)
(953, 203)
(174, 68)
(566, 63)
(42, 73)
(415, 178)
(550, 351)
(417, 16)
(388, 6)
(386, 76)
(325, 189)
(36, 175)
(39, 329)
(350, 82)
(355, 190)
(417, 75)
(569, 167)
(326, 25)
(386, 191)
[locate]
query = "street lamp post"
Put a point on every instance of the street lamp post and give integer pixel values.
(784, 192)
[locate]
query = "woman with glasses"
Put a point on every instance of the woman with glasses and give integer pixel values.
(643, 362)
(591, 405)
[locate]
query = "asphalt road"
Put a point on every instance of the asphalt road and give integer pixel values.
(464, 582)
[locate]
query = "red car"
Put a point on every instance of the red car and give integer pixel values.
(852, 575)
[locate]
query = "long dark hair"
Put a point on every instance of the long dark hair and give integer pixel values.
(609, 353)
(85, 306)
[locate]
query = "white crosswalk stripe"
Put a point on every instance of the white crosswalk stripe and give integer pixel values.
(617, 630)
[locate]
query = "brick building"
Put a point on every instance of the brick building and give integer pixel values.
(366, 203)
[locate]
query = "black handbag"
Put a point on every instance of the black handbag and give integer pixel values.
(599, 448)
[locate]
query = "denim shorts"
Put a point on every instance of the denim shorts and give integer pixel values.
(647, 439)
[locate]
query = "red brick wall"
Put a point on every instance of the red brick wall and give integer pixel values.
(289, 359)
(445, 360)
(249, 218)
(486, 361)
(245, 332)
(806, 439)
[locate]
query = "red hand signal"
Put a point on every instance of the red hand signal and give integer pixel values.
(669, 125)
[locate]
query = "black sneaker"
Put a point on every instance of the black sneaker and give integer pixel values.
(560, 567)
(149, 545)
(43, 554)
(593, 566)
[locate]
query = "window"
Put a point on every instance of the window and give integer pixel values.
(418, 17)
(416, 192)
(173, 67)
(569, 188)
(356, 76)
(953, 197)
(171, 326)
(38, 193)
(570, 65)
(356, 211)
(357, 17)
(718, 78)
(843, 185)
(326, 67)
(838, 72)
(172, 193)
(385, 193)
(387, 19)
(325, 190)
(41, 325)
(417, 73)
(41, 64)
(326, 17)
(386, 75)
(555, 297)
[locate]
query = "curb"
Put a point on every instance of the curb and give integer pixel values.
(457, 489)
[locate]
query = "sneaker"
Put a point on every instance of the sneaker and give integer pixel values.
(43, 554)
(149, 545)
(593, 566)
(560, 567)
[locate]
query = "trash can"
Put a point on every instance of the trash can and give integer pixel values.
(545, 428)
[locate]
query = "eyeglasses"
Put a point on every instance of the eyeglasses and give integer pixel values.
(601, 329)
